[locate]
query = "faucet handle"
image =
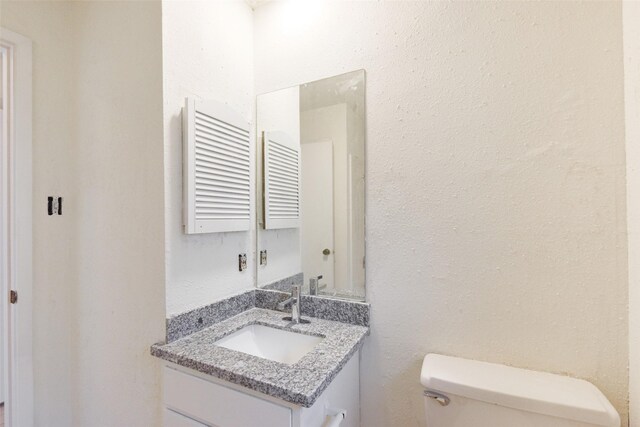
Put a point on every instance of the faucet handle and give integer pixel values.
(295, 291)
(315, 280)
(313, 285)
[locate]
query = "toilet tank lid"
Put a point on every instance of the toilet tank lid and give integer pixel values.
(522, 389)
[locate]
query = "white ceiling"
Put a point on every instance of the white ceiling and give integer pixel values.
(253, 4)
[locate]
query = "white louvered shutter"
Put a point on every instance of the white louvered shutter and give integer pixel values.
(217, 169)
(281, 181)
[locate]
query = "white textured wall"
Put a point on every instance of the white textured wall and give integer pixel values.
(117, 214)
(49, 26)
(207, 54)
(495, 182)
(631, 25)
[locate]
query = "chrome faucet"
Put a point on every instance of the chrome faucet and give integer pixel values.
(314, 286)
(295, 302)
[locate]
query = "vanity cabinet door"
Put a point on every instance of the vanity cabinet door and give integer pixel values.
(173, 419)
(220, 406)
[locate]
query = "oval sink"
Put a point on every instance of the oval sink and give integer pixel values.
(270, 343)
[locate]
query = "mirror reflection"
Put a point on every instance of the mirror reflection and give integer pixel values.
(310, 186)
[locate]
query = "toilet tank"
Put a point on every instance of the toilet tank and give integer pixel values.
(469, 393)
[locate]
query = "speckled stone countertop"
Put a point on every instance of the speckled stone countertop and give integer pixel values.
(300, 383)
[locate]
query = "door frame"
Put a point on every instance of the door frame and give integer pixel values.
(16, 219)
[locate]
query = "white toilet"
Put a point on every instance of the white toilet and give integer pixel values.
(468, 393)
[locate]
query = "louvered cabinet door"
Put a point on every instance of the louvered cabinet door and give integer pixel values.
(281, 181)
(216, 169)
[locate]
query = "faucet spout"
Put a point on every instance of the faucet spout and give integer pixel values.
(282, 305)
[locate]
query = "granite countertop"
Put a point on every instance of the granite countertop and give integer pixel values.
(300, 383)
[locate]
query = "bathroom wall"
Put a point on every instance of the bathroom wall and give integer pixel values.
(50, 27)
(98, 268)
(207, 54)
(117, 214)
(631, 14)
(496, 224)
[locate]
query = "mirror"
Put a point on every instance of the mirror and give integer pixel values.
(310, 187)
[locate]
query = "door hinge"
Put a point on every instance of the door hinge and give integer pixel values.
(13, 296)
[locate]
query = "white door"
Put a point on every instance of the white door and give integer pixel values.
(17, 246)
(2, 275)
(316, 231)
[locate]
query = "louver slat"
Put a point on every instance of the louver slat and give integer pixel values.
(282, 181)
(217, 169)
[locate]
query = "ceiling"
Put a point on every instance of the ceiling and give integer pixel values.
(253, 4)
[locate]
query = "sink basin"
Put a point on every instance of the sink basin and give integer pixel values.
(270, 343)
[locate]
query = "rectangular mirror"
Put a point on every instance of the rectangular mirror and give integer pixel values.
(310, 187)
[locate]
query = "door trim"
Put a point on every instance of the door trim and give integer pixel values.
(17, 214)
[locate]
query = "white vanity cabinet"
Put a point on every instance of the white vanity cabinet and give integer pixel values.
(175, 419)
(193, 399)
